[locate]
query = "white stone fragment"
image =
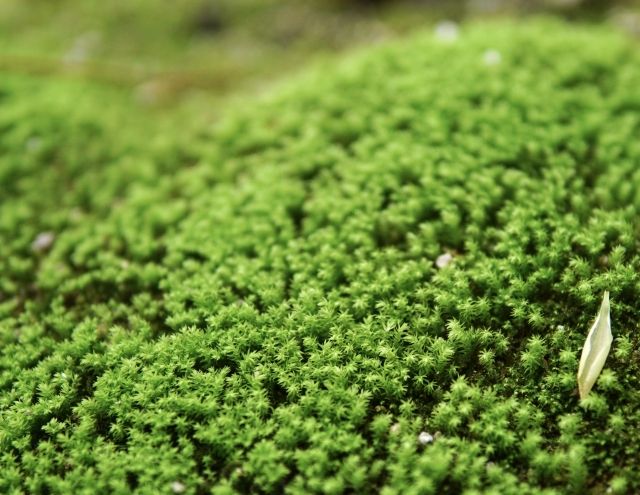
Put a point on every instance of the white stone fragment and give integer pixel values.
(447, 31)
(43, 241)
(178, 487)
(444, 260)
(425, 438)
(492, 58)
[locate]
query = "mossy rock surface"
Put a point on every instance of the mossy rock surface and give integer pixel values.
(263, 307)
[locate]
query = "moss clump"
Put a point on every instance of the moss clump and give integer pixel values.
(259, 308)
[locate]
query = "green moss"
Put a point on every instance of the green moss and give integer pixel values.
(258, 308)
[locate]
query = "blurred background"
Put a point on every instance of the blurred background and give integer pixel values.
(171, 54)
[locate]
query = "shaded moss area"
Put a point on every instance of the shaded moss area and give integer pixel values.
(259, 307)
(169, 54)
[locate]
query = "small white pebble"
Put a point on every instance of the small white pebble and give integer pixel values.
(443, 260)
(395, 429)
(178, 487)
(492, 57)
(447, 31)
(43, 241)
(425, 438)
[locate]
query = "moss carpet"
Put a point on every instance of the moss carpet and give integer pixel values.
(379, 279)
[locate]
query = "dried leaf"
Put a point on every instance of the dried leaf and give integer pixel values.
(596, 349)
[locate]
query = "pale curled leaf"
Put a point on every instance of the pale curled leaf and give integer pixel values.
(596, 349)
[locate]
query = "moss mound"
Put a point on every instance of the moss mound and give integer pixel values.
(266, 307)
